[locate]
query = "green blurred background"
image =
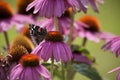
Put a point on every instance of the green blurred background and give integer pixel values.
(108, 16)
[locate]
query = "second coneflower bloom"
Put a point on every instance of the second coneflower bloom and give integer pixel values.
(23, 41)
(6, 15)
(17, 52)
(29, 68)
(53, 46)
(92, 30)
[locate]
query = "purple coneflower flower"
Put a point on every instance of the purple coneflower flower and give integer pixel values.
(53, 46)
(16, 53)
(6, 14)
(29, 69)
(49, 8)
(116, 69)
(113, 45)
(92, 30)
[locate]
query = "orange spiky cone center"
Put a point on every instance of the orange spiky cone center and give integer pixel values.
(29, 60)
(54, 36)
(92, 22)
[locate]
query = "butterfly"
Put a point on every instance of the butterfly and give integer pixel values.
(37, 33)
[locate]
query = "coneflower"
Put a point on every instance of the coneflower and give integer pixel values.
(17, 52)
(29, 68)
(53, 46)
(92, 29)
(24, 41)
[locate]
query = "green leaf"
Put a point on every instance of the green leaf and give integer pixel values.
(87, 71)
(86, 53)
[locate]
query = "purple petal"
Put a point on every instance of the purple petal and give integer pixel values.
(68, 51)
(63, 53)
(15, 72)
(93, 4)
(43, 71)
(56, 51)
(92, 37)
(115, 69)
(31, 5)
(45, 54)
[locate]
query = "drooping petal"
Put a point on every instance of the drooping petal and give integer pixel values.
(32, 4)
(15, 72)
(115, 69)
(45, 54)
(48, 8)
(63, 53)
(56, 52)
(68, 51)
(93, 4)
(43, 71)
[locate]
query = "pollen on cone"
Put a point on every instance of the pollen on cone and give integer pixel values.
(54, 36)
(24, 41)
(17, 52)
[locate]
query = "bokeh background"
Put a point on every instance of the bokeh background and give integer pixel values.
(109, 17)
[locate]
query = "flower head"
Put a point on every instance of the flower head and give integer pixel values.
(91, 30)
(30, 60)
(53, 45)
(29, 69)
(92, 22)
(6, 14)
(113, 45)
(24, 41)
(17, 52)
(54, 36)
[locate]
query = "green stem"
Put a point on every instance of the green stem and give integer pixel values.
(52, 67)
(56, 23)
(84, 42)
(70, 74)
(71, 29)
(6, 39)
(63, 71)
